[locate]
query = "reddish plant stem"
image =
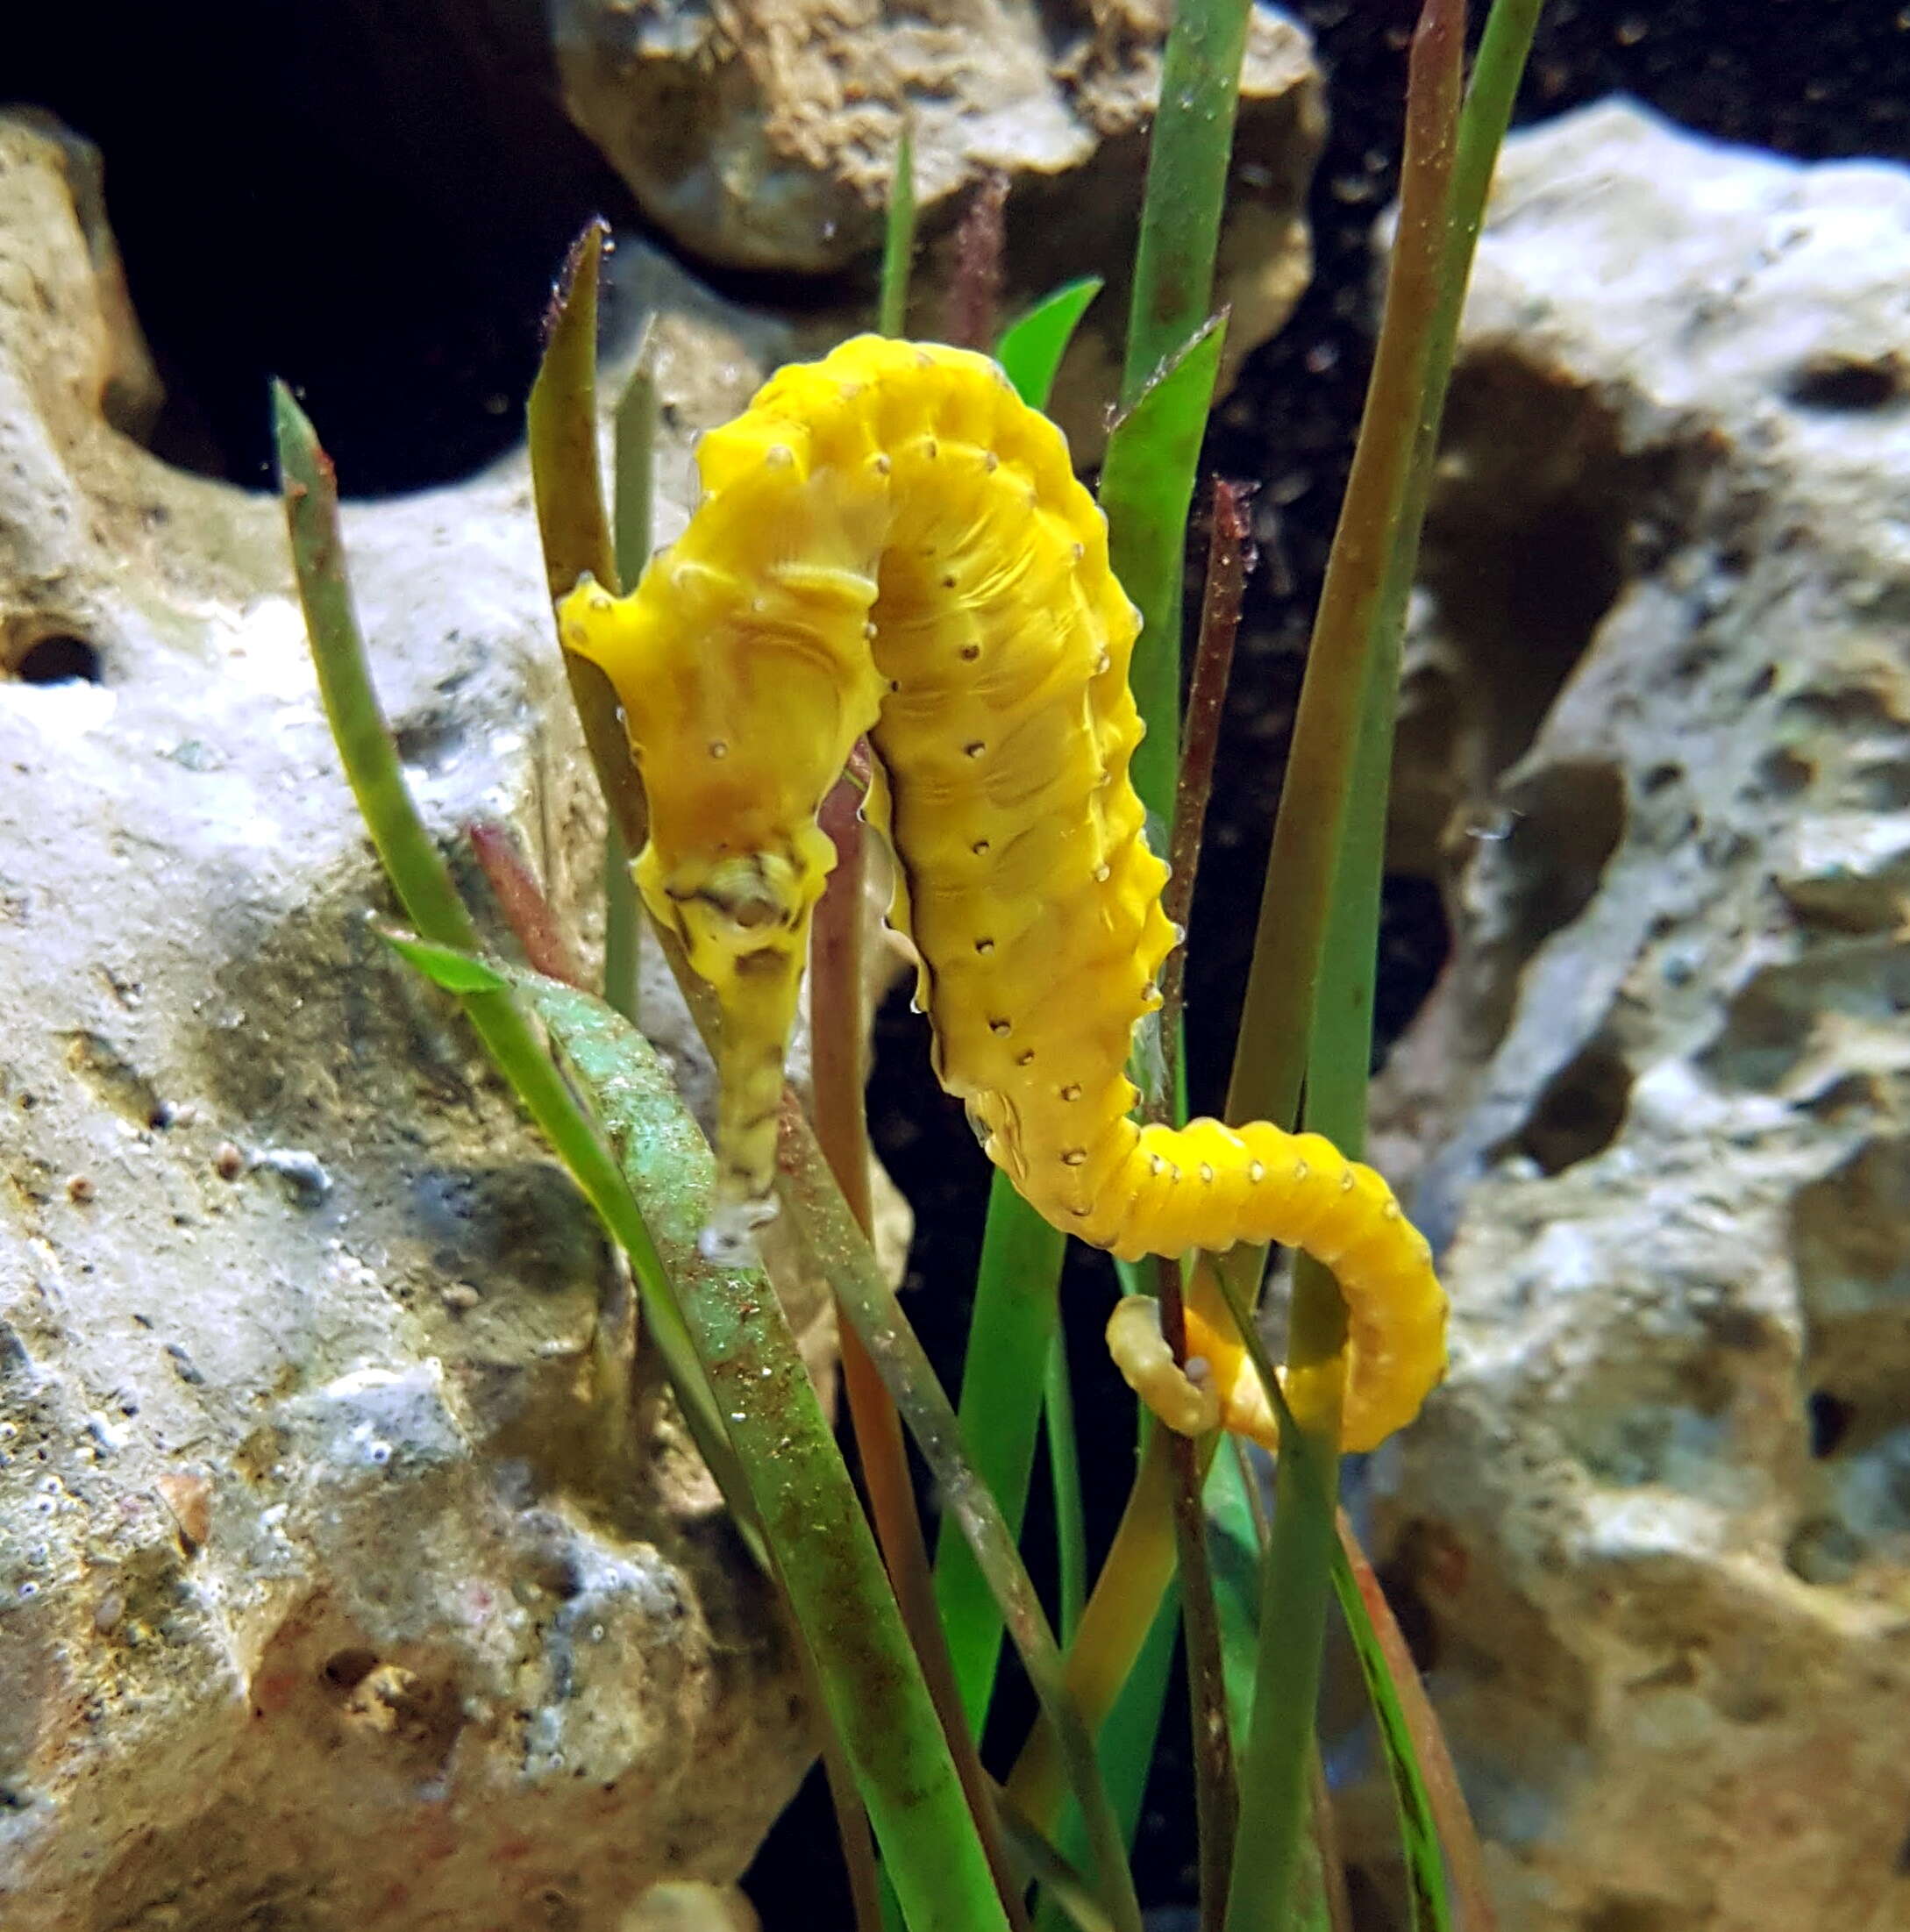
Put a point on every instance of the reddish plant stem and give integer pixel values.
(974, 292)
(836, 1075)
(1228, 558)
(521, 899)
(1216, 1791)
(837, 1019)
(836, 1032)
(1458, 1834)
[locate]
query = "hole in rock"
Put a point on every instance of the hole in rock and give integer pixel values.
(1830, 1417)
(1848, 385)
(1580, 1110)
(1531, 545)
(59, 658)
(431, 742)
(1853, 705)
(372, 203)
(1849, 1239)
(1636, 1915)
(1410, 1610)
(1569, 820)
(1562, 825)
(1784, 773)
(346, 1670)
(1536, 530)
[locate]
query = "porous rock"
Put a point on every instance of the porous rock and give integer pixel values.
(762, 133)
(351, 1572)
(1655, 1530)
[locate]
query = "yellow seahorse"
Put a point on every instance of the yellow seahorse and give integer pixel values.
(891, 543)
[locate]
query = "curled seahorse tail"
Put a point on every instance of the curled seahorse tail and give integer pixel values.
(1188, 1403)
(1207, 1186)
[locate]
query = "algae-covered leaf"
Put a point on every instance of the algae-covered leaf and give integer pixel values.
(804, 1500)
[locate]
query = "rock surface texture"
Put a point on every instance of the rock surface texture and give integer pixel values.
(349, 1575)
(1657, 1523)
(761, 134)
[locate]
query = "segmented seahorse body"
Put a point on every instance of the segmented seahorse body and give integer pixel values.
(891, 543)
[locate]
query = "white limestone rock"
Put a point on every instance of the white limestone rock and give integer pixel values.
(351, 1571)
(1657, 745)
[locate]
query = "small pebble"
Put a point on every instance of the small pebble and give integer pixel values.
(459, 1295)
(302, 1173)
(189, 1496)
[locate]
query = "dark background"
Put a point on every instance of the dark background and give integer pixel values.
(372, 202)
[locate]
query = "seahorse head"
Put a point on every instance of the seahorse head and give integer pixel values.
(743, 919)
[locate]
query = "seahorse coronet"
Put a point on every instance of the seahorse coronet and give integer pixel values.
(891, 544)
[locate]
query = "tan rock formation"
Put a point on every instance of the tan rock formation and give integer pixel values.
(761, 134)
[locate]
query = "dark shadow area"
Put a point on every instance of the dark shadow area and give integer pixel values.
(370, 202)
(60, 660)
